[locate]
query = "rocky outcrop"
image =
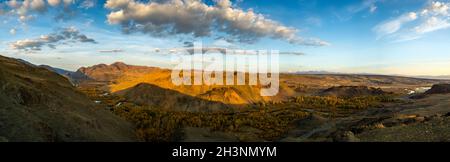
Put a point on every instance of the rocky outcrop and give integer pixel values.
(435, 89)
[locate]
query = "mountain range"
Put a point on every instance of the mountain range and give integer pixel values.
(43, 103)
(120, 78)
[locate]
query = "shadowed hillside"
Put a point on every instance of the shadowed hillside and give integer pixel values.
(40, 105)
(154, 96)
(74, 77)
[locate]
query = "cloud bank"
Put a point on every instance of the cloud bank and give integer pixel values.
(62, 36)
(413, 25)
(194, 17)
(26, 10)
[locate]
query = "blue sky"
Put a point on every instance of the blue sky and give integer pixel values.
(351, 36)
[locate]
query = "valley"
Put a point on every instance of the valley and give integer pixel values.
(121, 102)
(309, 107)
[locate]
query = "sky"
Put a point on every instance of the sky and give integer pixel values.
(392, 37)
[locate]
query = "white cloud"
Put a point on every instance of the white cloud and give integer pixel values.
(24, 18)
(370, 5)
(394, 25)
(22, 9)
(68, 2)
(27, 44)
(13, 4)
(193, 17)
(38, 5)
(439, 8)
(54, 2)
(373, 8)
(87, 4)
(432, 24)
(62, 36)
(223, 43)
(12, 31)
(435, 16)
(25, 10)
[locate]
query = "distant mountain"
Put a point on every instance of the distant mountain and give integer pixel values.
(57, 70)
(108, 73)
(41, 105)
(74, 77)
(441, 77)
